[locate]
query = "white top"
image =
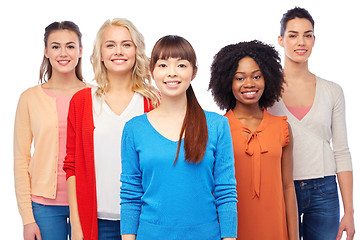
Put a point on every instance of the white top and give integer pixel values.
(320, 138)
(107, 152)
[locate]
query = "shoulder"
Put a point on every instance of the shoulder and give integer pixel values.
(213, 117)
(82, 95)
(328, 85)
(35, 90)
(32, 95)
(216, 123)
(273, 120)
(136, 121)
(273, 117)
(278, 125)
(135, 126)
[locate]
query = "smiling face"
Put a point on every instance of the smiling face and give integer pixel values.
(118, 50)
(298, 40)
(63, 51)
(172, 76)
(248, 83)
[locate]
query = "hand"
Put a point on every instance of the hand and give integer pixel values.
(31, 231)
(76, 233)
(229, 238)
(347, 225)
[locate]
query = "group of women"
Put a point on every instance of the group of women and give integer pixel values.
(265, 170)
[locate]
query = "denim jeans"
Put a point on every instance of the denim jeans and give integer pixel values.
(109, 229)
(53, 221)
(318, 207)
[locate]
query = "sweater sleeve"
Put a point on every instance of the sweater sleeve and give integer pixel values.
(131, 180)
(23, 138)
(69, 162)
(225, 182)
(339, 134)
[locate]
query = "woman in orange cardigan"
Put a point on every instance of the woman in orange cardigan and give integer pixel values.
(41, 115)
(246, 78)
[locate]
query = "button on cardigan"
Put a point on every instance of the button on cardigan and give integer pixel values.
(35, 121)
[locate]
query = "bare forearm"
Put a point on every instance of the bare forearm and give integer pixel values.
(128, 237)
(347, 221)
(291, 212)
(76, 230)
(346, 187)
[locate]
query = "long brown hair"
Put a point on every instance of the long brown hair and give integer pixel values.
(194, 124)
(46, 68)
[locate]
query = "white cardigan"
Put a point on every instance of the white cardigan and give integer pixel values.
(320, 138)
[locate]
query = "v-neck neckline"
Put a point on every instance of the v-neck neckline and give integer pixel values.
(313, 106)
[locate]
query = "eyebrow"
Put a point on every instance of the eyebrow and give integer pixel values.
(251, 72)
(308, 31)
(112, 41)
(59, 43)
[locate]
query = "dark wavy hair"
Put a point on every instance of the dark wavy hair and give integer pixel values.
(226, 62)
(296, 12)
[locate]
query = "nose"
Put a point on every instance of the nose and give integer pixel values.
(249, 82)
(301, 41)
(172, 70)
(63, 52)
(118, 50)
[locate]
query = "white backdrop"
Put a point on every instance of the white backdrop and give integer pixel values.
(208, 25)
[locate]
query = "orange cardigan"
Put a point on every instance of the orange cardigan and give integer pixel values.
(79, 160)
(36, 120)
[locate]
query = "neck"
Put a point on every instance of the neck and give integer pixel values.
(63, 80)
(247, 111)
(120, 83)
(296, 71)
(173, 106)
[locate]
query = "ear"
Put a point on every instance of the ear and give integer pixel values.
(280, 41)
(46, 52)
(194, 73)
(80, 52)
(314, 40)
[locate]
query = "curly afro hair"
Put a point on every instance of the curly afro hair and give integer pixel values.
(226, 62)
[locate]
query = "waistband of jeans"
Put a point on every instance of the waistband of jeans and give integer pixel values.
(316, 182)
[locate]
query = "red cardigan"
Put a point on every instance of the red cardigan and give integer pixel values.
(79, 160)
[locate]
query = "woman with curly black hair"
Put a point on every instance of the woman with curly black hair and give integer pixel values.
(246, 78)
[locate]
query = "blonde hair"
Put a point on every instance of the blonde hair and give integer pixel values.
(140, 74)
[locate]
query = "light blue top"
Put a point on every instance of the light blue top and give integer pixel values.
(160, 200)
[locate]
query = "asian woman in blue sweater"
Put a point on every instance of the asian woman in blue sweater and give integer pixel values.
(178, 178)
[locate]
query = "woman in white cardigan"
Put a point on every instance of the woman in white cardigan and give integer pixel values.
(316, 112)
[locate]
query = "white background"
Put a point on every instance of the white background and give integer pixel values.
(208, 25)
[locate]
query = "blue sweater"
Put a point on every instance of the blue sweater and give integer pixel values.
(160, 200)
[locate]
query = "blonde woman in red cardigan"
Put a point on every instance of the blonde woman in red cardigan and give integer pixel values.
(95, 122)
(41, 115)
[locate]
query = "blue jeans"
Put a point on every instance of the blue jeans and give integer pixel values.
(109, 229)
(53, 221)
(318, 207)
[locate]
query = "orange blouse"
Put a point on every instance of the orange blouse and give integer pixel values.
(261, 206)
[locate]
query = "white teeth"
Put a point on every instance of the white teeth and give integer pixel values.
(63, 61)
(249, 93)
(302, 51)
(118, 61)
(172, 83)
